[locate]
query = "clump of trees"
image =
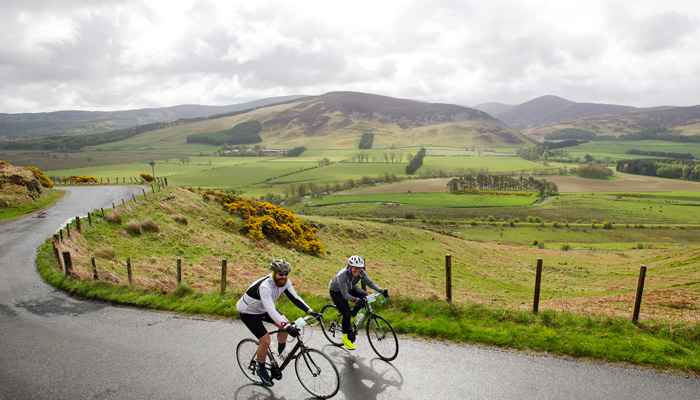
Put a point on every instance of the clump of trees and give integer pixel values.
(366, 141)
(244, 133)
(416, 162)
(296, 152)
(593, 170)
(570, 133)
(487, 181)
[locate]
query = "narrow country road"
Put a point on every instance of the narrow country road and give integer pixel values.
(53, 346)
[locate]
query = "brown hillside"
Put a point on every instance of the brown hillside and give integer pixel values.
(314, 112)
(347, 115)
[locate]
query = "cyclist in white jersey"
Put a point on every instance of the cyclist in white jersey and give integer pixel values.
(258, 305)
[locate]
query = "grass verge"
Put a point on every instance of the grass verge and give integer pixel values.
(51, 197)
(599, 338)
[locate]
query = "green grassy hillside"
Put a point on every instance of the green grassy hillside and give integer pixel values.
(586, 297)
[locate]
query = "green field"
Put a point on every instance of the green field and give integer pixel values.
(616, 150)
(431, 200)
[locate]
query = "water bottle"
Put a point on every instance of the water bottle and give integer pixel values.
(359, 319)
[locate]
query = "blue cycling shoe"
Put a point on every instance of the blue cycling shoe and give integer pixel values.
(264, 376)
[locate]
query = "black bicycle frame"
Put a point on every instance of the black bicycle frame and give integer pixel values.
(290, 357)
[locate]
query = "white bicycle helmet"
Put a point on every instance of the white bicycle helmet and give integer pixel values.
(356, 261)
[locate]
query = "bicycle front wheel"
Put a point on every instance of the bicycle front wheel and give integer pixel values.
(382, 338)
(332, 324)
(246, 355)
(317, 373)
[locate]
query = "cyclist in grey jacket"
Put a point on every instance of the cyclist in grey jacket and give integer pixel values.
(343, 289)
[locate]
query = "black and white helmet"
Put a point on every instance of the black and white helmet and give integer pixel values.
(280, 266)
(356, 261)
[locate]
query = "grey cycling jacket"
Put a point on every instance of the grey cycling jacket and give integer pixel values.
(343, 281)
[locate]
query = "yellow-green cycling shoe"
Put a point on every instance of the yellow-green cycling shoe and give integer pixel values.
(348, 344)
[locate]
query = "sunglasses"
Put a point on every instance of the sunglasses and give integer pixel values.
(283, 273)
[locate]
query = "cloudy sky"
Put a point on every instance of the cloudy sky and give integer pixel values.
(116, 55)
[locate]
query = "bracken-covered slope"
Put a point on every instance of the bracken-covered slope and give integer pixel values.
(392, 120)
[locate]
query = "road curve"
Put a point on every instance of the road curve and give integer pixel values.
(53, 346)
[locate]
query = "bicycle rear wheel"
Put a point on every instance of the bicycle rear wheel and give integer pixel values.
(382, 338)
(246, 355)
(317, 373)
(332, 324)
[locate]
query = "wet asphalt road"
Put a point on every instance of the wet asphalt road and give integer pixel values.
(53, 346)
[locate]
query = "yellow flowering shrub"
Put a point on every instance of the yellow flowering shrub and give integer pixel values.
(146, 177)
(45, 182)
(263, 220)
(85, 179)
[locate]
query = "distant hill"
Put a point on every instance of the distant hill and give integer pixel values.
(333, 120)
(393, 121)
(545, 114)
(70, 123)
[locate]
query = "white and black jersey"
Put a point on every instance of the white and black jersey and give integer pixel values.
(261, 296)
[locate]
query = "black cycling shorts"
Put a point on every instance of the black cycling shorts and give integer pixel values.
(254, 322)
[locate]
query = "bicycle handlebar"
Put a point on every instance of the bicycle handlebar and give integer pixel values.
(308, 320)
(373, 297)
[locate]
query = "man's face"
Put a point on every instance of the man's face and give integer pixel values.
(355, 271)
(280, 280)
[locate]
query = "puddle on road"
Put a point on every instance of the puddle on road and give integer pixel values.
(60, 306)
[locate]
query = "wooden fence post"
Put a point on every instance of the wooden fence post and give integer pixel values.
(55, 251)
(103, 212)
(94, 268)
(144, 194)
(179, 271)
(640, 289)
(133, 197)
(538, 280)
(68, 262)
(448, 277)
(90, 219)
(68, 231)
(223, 276)
(128, 269)
(123, 203)
(77, 224)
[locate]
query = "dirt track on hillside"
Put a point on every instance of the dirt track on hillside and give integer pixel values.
(567, 184)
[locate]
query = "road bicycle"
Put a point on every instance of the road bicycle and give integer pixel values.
(381, 335)
(315, 370)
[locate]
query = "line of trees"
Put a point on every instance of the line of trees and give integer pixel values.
(75, 143)
(416, 162)
(487, 181)
(681, 156)
(688, 170)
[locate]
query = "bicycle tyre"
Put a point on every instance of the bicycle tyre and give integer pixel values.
(246, 355)
(332, 324)
(317, 373)
(382, 338)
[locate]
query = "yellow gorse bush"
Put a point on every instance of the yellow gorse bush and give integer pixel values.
(45, 182)
(146, 177)
(263, 220)
(85, 179)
